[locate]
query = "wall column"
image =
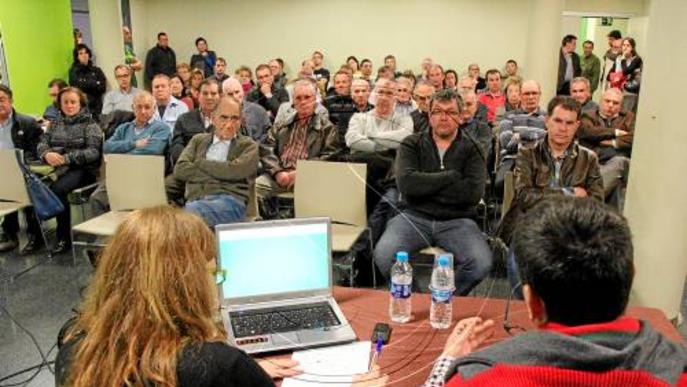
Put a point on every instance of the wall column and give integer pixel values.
(543, 44)
(656, 203)
(106, 28)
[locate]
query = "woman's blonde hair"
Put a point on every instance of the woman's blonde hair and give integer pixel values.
(150, 296)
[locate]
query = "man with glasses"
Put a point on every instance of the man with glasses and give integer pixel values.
(575, 259)
(441, 177)
(196, 121)
(216, 168)
(422, 96)
(123, 97)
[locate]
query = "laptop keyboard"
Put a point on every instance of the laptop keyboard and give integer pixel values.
(282, 319)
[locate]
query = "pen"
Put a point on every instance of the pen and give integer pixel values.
(377, 353)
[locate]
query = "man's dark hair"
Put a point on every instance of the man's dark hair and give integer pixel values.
(567, 39)
(281, 62)
(160, 34)
(492, 71)
(566, 103)
(5, 89)
(209, 81)
(354, 58)
(576, 255)
(262, 66)
(615, 34)
(362, 62)
(588, 42)
(512, 61)
(201, 39)
(389, 57)
(447, 95)
(60, 83)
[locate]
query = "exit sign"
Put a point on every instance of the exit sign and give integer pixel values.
(606, 21)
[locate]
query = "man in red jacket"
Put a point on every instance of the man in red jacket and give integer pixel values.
(575, 260)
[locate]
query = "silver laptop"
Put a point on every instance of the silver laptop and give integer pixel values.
(278, 289)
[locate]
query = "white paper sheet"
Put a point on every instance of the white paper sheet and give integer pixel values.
(334, 365)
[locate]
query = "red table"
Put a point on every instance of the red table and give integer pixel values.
(414, 346)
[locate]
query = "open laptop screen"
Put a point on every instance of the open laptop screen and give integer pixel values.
(274, 258)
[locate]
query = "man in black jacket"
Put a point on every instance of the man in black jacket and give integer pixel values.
(161, 59)
(568, 65)
(196, 121)
(340, 104)
(18, 131)
(266, 93)
(441, 177)
(422, 96)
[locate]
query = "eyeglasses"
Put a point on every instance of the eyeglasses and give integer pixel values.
(509, 327)
(220, 275)
(450, 113)
(422, 97)
(223, 118)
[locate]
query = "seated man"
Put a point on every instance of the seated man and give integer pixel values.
(478, 131)
(468, 83)
(142, 136)
(441, 177)
(220, 74)
(52, 111)
(123, 97)
(217, 168)
(422, 95)
(301, 135)
(340, 104)
(256, 120)
(554, 166)
(168, 108)
(195, 121)
(580, 89)
(575, 259)
(609, 132)
(404, 103)
(266, 93)
(492, 97)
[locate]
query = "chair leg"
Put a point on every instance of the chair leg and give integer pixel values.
(372, 259)
(45, 239)
(73, 249)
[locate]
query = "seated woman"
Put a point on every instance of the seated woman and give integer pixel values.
(72, 145)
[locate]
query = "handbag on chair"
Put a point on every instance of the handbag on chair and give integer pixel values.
(45, 203)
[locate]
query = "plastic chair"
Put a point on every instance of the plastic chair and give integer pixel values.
(334, 190)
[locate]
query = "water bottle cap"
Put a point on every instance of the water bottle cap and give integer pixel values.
(443, 260)
(402, 256)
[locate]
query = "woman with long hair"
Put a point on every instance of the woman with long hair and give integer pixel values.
(197, 78)
(626, 73)
(149, 314)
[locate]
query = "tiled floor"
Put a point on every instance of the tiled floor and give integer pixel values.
(42, 299)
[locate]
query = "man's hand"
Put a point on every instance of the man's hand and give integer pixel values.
(580, 192)
(283, 178)
(468, 334)
(54, 159)
(620, 133)
(266, 90)
(371, 379)
(142, 142)
(280, 368)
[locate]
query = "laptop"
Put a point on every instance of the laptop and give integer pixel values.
(277, 294)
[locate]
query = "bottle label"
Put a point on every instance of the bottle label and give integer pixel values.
(400, 291)
(442, 296)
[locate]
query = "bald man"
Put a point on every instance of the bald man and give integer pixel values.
(256, 120)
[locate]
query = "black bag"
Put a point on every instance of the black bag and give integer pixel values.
(45, 203)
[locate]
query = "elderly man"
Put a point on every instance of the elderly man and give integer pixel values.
(161, 59)
(168, 108)
(557, 165)
(493, 97)
(474, 73)
(123, 97)
(467, 83)
(422, 95)
(339, 103)
(302, 135)
(425, 65)
(404, 103)
(21, 132)
(196, 121)
(581, 92)
(441, 178)
(436, 76)
(575, 259)
(142, 136)
(590, 65)
(266, 93)
(568, 64)
(476, 130)
(256, 120)
(217, 168)
(609, 131)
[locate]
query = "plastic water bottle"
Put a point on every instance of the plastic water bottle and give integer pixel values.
(401, 289)
(442, 287)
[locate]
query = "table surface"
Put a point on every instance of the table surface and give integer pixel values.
(414, 346)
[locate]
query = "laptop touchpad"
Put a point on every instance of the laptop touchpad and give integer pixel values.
(285, 338)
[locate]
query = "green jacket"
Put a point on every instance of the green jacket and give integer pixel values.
(205, 177)
(591, 69)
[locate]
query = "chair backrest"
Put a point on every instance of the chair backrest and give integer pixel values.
(12, 187)
(135, 181)
(508, 192)
(331, 189)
